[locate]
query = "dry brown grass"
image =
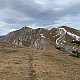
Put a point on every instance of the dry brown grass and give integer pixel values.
(33, 64)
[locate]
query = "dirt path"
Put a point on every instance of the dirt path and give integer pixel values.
(34, 64)
(31, 72)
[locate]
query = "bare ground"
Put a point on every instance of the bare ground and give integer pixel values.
(35, 64)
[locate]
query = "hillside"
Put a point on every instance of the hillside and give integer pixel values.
(22, 63)
(40, 54)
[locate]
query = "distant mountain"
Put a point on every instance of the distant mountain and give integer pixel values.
(60, 37)
(2, 38)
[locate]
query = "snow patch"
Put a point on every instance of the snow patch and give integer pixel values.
(49, 29)
(42, 36)
(73, 35)
(64, 41)
(73, 40)
(62, 32)
(61, 43)
(56, 35)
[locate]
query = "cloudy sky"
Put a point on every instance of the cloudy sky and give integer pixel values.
(15, 14)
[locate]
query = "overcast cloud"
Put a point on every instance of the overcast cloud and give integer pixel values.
(15, 14)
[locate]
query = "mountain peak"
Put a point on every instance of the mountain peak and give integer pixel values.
(24, 28)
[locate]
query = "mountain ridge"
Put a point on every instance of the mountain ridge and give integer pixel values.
(60, 37)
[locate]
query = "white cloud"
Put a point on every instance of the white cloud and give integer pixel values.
(15, 14)
(69, 20)
(6, 31)
(5, 28)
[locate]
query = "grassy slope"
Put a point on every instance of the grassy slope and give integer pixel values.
(32, 64)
